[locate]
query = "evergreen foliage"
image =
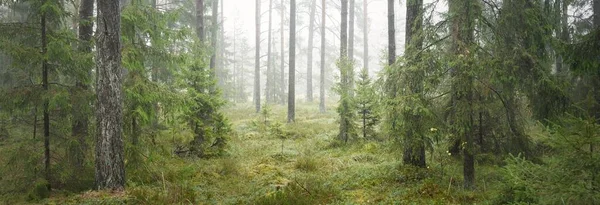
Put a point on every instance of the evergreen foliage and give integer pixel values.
(367, 105)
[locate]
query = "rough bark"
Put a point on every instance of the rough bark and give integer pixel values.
(257, 59)
(110, 167)
(200, 20)
(322, 77)
(391, 33)
(309, 64)
(79, 127)
(46, 99)
(292, 70)
(269, 85)
(414, 147)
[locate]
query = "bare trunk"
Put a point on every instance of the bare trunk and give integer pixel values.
(213, 42)
(200, 20)
(110, 167)
(351, 31)
(282, 63)
(269, 86)
(257, 59)
(292, 71)
(311, 28)
(344, 30)
(366, 36)
(322, 77)
(391, 33)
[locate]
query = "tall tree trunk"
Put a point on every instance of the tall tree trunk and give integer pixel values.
(292, 71)
(366, 36)
(213, 42)
(414, 147)
(309, 64)
(351, 46)
(462, 28)
(257, 59)
(344, 30)
(269, 86)
(322, 77)
(596, 5)
(80, 112)
(46, 98)
(200, 20)
(221, 54)
(110, 167)
(391, 33)
(282, 63)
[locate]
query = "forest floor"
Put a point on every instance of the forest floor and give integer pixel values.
(309, 167)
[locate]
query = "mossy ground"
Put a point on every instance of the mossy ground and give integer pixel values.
(311, 168)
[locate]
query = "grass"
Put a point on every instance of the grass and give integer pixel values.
(308, 170)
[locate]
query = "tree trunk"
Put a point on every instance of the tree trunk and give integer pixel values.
(110, 167)
(257, 60)
(269, 86)
(213, 43)
(221, 46)
(462, 28)
(596, 5)
(414, 147)
(366, 36)
(351, 46)
(282, 63)
(292, 71)
(309, 65)
(200, 20)
(391, 33)
(80, 112)
(322, 77)
(344, 30)
(46, 99)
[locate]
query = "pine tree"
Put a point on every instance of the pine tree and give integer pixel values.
(366, 103)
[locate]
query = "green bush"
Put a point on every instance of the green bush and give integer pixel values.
(310, 190)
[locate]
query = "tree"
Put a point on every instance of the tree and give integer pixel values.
(110, 166)
(44, 38)
(366, 36)
(270, 74)
(391, 33)
(200, 20)
(463, 14)
(257, 59)
(344, 88)
(309, 64)
(282, 62)
(292, 71)
(322, 77)
(367, 104)
(81, 109)
(414, 142)
(213, 41)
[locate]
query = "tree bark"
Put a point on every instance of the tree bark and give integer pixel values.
(46, 98)
(322, 77)
(213, 43)
(282, 63)
(351, 31)
(292, 71)
(309, 64)
(391, 33)
(257, 59)
(110, 167)
(269, 86)
(200, 20)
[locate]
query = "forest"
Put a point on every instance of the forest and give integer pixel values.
(300, 102)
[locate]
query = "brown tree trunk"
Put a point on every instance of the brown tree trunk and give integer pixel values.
(292, 71)
(257, 59)
(322, 77)
(110, 167)
(309, 64)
